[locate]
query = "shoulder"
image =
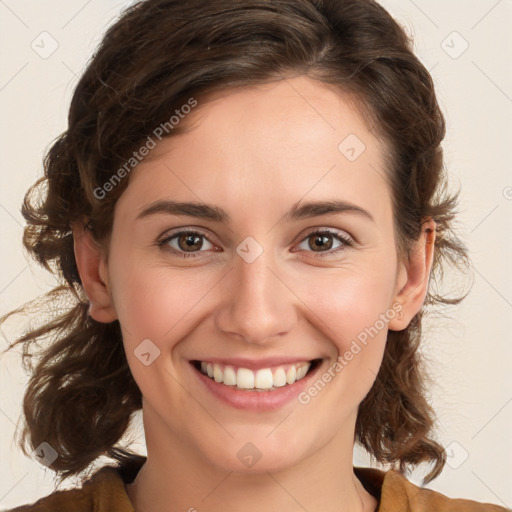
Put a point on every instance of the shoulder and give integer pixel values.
(395, 492)
(104, 491)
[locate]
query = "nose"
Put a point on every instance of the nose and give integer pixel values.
(258, 305)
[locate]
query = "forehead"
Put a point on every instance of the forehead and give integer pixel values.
(270, 144)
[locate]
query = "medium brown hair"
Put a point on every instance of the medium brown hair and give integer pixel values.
(81, 395)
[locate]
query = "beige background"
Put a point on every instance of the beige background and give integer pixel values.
(470, 351)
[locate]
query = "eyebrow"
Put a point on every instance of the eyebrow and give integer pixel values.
(214, 213)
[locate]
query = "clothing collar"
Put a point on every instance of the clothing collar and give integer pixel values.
(372, 479)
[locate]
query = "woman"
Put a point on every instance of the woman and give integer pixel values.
(247, 206)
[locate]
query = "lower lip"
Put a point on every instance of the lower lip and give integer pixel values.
(255, 400)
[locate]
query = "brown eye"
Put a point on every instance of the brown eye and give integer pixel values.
(319, 241)
(325, 242)
(190, 242)
(186, 243)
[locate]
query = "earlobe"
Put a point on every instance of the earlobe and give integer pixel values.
(93, 272)
(414, 278)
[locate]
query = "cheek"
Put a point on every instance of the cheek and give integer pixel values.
(157, 304)
(348, 302)
(154, 302)
(352, 309)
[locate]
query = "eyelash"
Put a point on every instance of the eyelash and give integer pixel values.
(346, 242)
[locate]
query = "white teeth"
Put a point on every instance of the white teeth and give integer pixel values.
(291, 375)
(229, 376)
(217, 373)
(279, 377)
(245, 378)
(262, 379)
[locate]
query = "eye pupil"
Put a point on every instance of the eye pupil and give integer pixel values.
(322, 241)
(188, 241)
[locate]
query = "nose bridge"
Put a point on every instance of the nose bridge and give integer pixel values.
(259, 306)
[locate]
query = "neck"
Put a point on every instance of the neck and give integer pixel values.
(185, 481)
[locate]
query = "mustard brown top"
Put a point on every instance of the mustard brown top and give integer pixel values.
(105, 491)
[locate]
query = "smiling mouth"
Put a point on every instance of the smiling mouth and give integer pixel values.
(264, 379)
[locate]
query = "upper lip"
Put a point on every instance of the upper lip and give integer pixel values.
(255, 364)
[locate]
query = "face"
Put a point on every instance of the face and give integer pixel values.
(270, 287)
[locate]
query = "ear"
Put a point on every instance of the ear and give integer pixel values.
(413, 278)
(91, 262)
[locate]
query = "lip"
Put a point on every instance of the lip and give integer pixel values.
(256, 400)
(253, 364)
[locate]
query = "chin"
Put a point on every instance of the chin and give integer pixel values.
(253, 457)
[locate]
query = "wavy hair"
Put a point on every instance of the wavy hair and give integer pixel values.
(81, 394)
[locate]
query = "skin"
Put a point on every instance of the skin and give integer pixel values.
(255, 152)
